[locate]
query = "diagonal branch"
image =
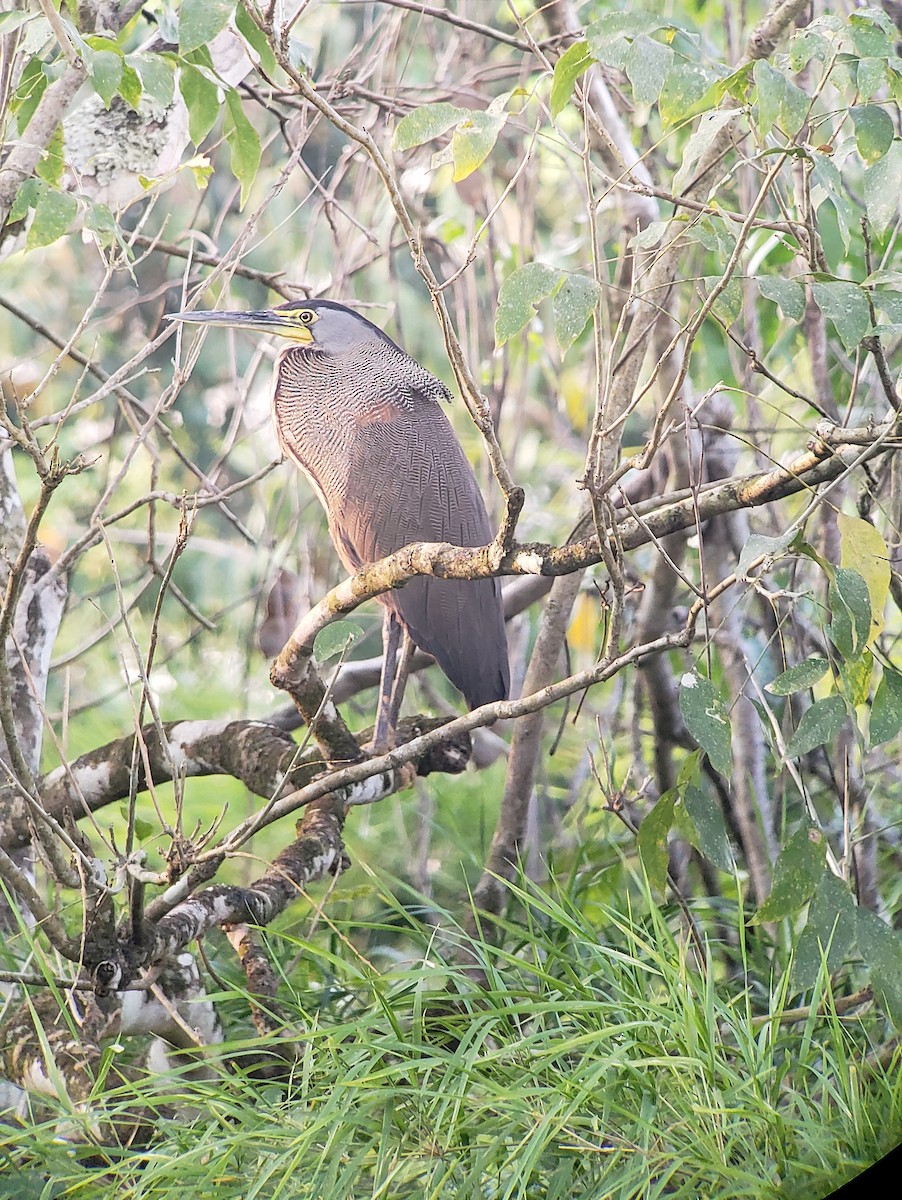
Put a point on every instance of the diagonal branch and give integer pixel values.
(833, 452)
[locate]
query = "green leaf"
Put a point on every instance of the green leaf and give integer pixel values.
(572, 307)
(100, 220)
(473, 140)
(575, 60)
(652, 840)
(650, 236)
(54, 212)
(728, 305)
(850, 611)
(872, 34)
(758, 545)
(520, 293)
(336, 639)
(805, 45)
(802, 675)
(794, 109)
(829, 931)
(706, 815)
(144, 830)
(865, 551)
(706, 719)
(873, 131)
(201, 20)
(714, 234)
(779, 100)
(786, 292)
(104, 68)
(300, 55)
(819, 724)
(769, 87)
(130, 86)
(886, 711)
(157, 75)
(257, 41)
(29, 90)
(684, 86)
(647, 63)
(796, 875)
(881, 949)
(425, 123)
(12, 20)
(827, 186)
(690, 769)
(870, 77)
(202, 101)
(882, 188)
(609, 37)
(802, 547)
(52, 161)
(709, 126)
(26, 199)
(889, 302)
(845, 304)
(244, 144)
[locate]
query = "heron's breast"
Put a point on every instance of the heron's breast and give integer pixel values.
(326, 415)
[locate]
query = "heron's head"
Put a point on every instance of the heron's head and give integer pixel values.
(318, 324)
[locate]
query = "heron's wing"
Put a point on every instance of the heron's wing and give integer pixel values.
(410, 481)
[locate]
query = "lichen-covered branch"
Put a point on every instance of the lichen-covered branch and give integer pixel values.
(263, 757)
(317, 851)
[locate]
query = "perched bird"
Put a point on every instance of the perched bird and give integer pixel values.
(364, 421)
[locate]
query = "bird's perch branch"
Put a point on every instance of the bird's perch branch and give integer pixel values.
(831, 452)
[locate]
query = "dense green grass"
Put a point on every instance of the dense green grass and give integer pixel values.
(584, 1058)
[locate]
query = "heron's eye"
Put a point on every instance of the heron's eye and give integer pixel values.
(306, 316)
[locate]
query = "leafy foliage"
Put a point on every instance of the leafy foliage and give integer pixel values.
(672, 264)
(590, 1037)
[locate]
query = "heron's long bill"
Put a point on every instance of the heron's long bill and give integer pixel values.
(285, 324)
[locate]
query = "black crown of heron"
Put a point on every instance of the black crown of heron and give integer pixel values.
(363, 421)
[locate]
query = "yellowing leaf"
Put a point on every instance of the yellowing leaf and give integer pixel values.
(583, 632)
(865, 551)
(572, 390)
(472, 142)
(201, 170)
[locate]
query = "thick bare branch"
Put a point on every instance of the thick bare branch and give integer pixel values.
(263, 757)
(817, 465)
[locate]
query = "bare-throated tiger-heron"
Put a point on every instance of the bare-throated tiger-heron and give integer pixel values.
(363, 420)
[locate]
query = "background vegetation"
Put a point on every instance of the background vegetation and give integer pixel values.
(652, 945)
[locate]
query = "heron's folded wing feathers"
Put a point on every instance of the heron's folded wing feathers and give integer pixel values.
(410, 481)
